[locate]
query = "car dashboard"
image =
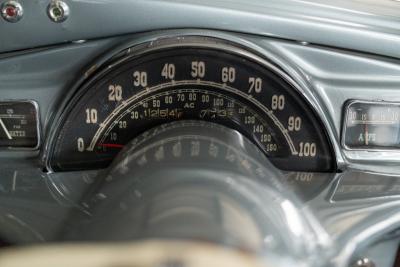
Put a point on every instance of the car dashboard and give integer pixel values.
(248, 133)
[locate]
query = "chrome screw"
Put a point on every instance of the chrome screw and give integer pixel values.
(58, 11)
(364, 262)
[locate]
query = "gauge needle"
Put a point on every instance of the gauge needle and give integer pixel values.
(5, 129)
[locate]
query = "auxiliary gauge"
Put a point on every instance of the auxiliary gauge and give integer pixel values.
(372, 125)
(19, 124)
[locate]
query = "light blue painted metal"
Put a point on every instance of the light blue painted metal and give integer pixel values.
(293, 34)
(370, 26)
(327, 77)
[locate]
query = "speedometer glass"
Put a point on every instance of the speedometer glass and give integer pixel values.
(144, 89)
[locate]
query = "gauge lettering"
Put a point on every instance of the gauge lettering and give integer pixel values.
(81, 144)
(91, 115)
(168, 71)
(255, 84)
(278, 102)
(307, 149)
(198, 69)
(228, 74)
(140, 78)
(115, 93)
(294, 123)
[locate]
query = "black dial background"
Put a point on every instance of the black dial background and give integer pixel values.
(94, 95)
(20, 120)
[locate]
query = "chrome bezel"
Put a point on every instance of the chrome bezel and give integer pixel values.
(335, 186)
(58, 4)
(19, 10)
(38, 129)
(194, 41)
(345, 120)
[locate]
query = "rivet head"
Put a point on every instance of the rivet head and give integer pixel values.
(58, 11)
(12, 11)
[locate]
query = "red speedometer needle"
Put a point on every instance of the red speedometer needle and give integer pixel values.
(112, 145)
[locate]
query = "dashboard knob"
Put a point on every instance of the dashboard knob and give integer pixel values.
(12, 11)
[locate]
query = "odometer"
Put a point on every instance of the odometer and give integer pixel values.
(209, 82)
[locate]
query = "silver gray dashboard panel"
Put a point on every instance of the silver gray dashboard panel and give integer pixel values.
(328, 77)
(335, 51)
(360, 25)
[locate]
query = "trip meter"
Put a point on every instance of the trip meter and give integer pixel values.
(192, 79)
(372, 126)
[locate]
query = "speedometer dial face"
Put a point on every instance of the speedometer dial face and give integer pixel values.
(144, 90)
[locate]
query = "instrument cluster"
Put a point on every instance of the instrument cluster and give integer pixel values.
(199, 79)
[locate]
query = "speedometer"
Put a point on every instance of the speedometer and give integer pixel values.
(190, 80)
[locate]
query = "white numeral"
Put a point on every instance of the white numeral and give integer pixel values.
(218, 102)
(266, 138)
(168, 71)
(198, 69)
(255, 84)
(181, 97)
(228, 74)
(134, 115)
(156, 103)
(140, 78)
(168, 99)
(81, 144)
(192, 96)
(249, 120)
(113, 136)
(271, 147)
(258, 129)
(91, 116)
(205, 98)
(294, 123)
(115, 93)
(307, 150)
(122, 124)
(278, 102)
